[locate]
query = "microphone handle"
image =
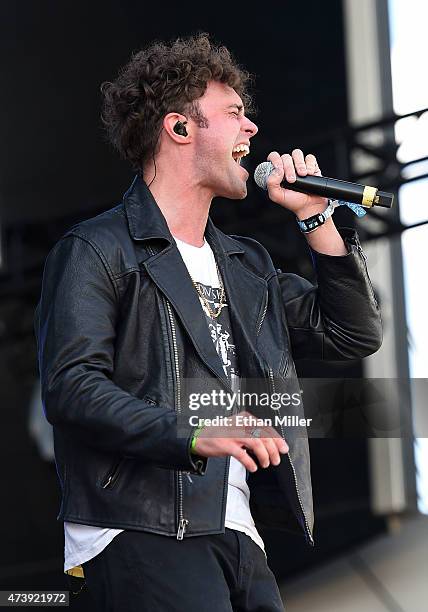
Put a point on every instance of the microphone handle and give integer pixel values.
(340, 190)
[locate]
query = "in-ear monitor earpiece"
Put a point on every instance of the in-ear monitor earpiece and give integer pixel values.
(180, 128)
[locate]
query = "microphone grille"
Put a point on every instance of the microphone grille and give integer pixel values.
(261, 174)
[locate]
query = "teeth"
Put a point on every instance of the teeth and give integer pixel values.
(240, 151)
(242, 148)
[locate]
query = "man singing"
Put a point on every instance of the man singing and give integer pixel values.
(150, 294)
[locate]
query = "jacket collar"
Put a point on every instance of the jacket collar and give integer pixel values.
(145, 219)
(246, 292)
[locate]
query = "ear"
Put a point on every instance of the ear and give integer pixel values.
(170, 121)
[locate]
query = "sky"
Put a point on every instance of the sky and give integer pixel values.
(409, 56)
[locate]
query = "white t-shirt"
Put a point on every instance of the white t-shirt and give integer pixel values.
(83, 542)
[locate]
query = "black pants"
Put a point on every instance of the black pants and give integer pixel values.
(140, 571)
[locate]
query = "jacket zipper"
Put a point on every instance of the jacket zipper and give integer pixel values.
(308, 531)
(113, 475)
(181, 521)
(263, 314)
(364, 256)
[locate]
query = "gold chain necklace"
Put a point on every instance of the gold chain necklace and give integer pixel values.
(212, 314)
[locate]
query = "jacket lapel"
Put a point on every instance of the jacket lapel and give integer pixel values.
(170, 274)
(246, 296)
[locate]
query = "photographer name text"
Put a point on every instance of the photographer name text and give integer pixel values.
(249, 421)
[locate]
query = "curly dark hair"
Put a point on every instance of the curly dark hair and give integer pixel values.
(164, 78)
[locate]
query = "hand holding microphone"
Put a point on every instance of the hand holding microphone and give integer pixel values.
(310, 188)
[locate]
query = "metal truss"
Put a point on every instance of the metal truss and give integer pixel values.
(367, 154)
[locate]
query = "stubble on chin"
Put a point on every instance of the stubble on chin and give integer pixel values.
(236, 193)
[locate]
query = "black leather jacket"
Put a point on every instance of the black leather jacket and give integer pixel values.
(119, 326)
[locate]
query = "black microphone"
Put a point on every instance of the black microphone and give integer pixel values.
(329, 188)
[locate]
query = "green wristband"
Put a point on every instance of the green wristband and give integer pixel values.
(195, 437)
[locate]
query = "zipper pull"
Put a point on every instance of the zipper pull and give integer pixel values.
(106, 484)
(189, 478)
(182, 528)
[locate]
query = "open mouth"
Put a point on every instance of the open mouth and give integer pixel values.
(239, 152)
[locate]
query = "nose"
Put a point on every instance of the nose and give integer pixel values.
(250, 128)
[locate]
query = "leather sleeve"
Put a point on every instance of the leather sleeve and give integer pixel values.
(339, 317)
(75, 332)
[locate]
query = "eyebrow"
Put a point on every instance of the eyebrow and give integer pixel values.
(238, 106)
